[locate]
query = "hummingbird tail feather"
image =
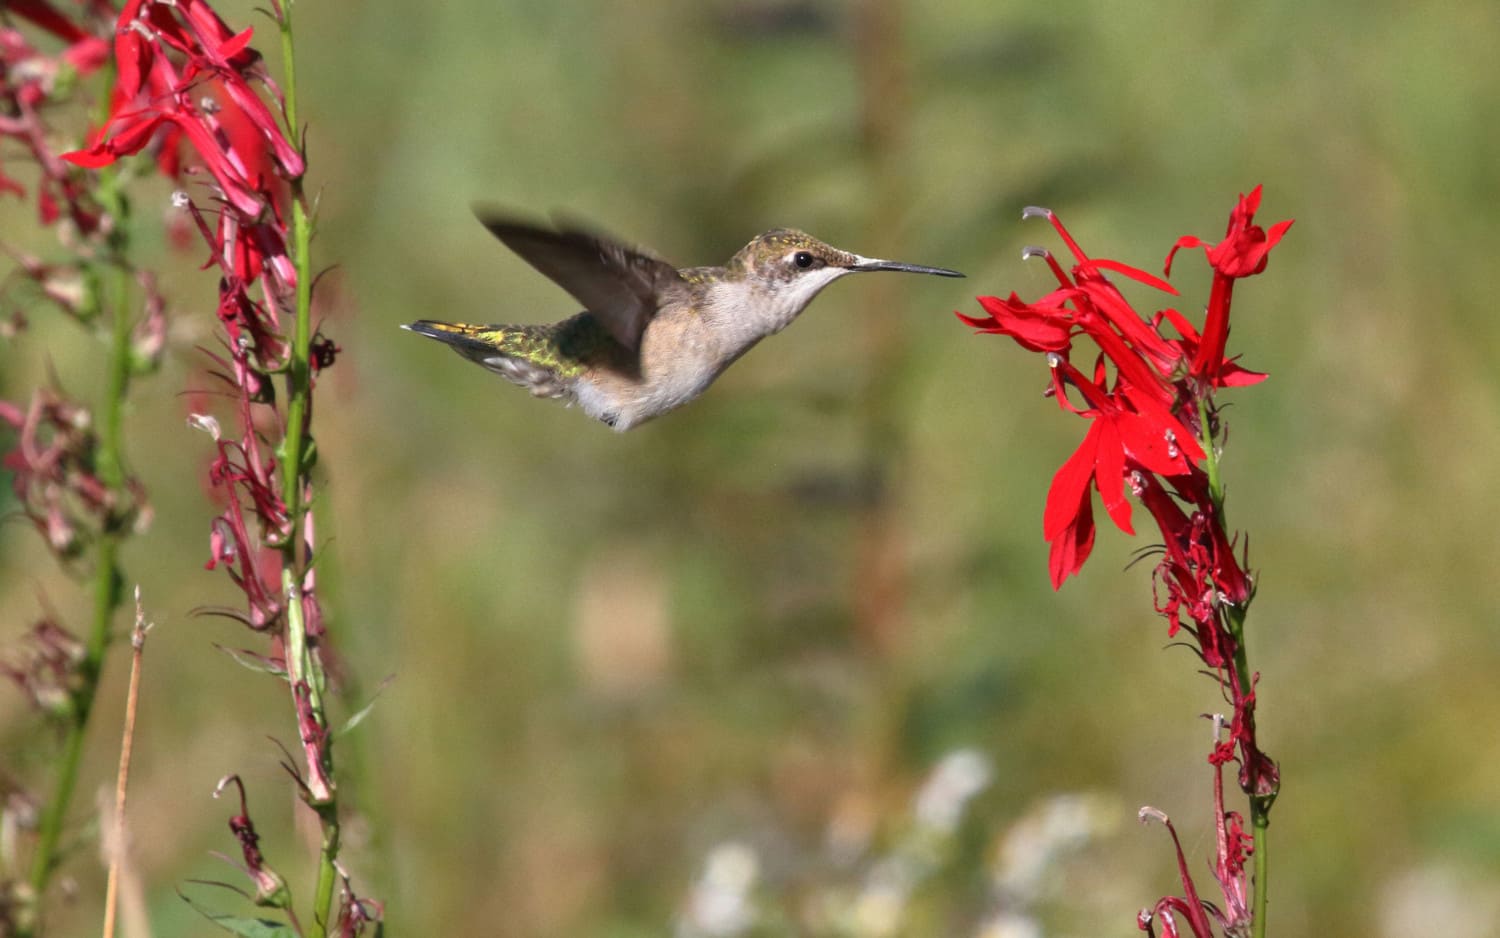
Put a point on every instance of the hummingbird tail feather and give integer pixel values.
(513, 352)
(456, 334)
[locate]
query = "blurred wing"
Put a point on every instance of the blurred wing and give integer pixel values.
(621, 286)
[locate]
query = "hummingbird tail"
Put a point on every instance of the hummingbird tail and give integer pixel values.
(461, 335)
(523, 355)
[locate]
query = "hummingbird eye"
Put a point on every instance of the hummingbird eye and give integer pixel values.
(803, 260)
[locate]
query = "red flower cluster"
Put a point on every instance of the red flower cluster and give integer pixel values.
(151, 94)
(1152, 426)
(187, 86)
(30, 81)
(1146, 422)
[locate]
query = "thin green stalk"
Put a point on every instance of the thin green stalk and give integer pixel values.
(1260, 808)
(49, 831)
(1210, 456)
(299, 369)
(327, 871)
(110, 464)
(299, 374)
(304, 665)
(1260, 823)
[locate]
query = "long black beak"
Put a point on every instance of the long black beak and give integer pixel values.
(871, 263)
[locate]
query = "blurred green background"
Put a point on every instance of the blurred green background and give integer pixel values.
(766, 617)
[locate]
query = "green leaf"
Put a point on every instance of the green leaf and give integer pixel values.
(238, 925)
(309, 454)
(249, 659)
(364, 711)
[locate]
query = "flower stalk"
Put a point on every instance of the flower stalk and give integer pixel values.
(200, 95)
(305, 667)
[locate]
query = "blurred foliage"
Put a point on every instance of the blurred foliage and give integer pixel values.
(613, 652)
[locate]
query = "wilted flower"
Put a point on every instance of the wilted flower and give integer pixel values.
(270, 888)
(54, 473)
(44, 665)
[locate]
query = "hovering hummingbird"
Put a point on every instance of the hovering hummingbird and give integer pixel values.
(651, 337)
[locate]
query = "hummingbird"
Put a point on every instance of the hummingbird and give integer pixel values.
(651, 336)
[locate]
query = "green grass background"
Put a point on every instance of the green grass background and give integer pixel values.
(611, 652)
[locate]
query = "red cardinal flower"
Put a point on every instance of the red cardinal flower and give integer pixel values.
(1246, 246)
(1146, 419)
(151, 95)
(186, 84)
(1152, 427)
(1243, 253)
(1128, 433)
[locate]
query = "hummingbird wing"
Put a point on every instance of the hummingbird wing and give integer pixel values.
(623, 287)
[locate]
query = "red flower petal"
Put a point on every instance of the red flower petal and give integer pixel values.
(1070, 485)
(42, 14)
(1186, 241)
(1109, 475)
(1035, 327)
(1073, 546)
(1134, 273)
(1180, 322)
(1233, 376)
(139, 126)
(133, 57)
(87, 54)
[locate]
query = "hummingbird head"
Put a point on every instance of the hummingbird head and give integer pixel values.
(787, 268)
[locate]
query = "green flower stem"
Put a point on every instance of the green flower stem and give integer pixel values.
(1210, 456)
(299, 369)
(299, 372)
(1260, 808)
(303, 663)
(110, 464)
(327, 872)
(1260, 822)
(304, 666)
